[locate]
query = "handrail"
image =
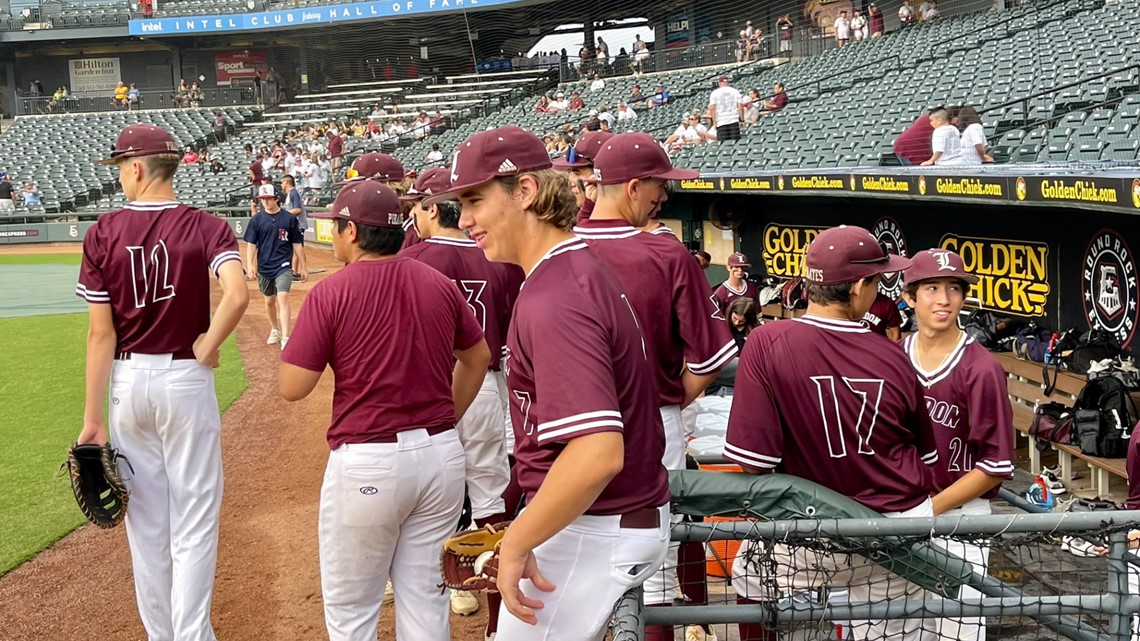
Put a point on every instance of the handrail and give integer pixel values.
(933, 45)
(817, 81)
(1044, 92)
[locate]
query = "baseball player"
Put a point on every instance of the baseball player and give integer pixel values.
(382, 167)
(579, 162)
(588, 437)
(153, 342)
(823, 398)
(481, 282)
(883, 318)
(393, 488)
(968, 401)
(295, 205)
(736, 287)
(687, 338)
(273, 244)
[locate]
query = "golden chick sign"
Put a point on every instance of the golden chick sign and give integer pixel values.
(784, 248)
(1013, 274)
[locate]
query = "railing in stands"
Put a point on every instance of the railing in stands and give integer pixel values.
(148, 99)
(1024, 101)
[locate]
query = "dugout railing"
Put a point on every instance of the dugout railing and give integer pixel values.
(1090, 602)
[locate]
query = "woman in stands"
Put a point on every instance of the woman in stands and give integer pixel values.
(751, 103)
(973, 137)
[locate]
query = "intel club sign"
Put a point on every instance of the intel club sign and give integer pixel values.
(301, 17)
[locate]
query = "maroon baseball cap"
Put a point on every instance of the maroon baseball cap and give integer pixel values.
(490, 154)
(846, 254)
(585, 151)
(738, 260)
(436, 180)
(141, 140)
(635, 155)
(366, 202)
(937, 263)
(374, 166)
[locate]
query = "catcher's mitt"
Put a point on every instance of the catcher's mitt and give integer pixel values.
(470, 560)
(95, 480)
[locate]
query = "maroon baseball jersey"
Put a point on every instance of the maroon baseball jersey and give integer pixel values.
(883, 315)
(410, 235)
(725, 294)
(478, 279)
(664, 230)
(512, 278)
(152, 262)
(829, 401)
(586, 211)
(389, 329)
(968, 402)
(576, 365)
(670, 295)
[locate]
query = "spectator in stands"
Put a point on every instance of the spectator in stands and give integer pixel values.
(336, 151)
(593, 123)
(876, 19)
(377, 112)
(606, 117)
(56, 102)
(559, 103)
(396, 128)
(182, 94)
(860, 30)
(603, 52)
(319, 172)
(725, 110)
(946, 143)
(216, 166)
(7, 204)
(786, 27)
(778, 101)
(36, 89)
(598, 84)
(913, 145)
(636, 98)
(660, 97)
(743, 47)
(190, 157)
(842, 26)
(906, 14)
(684, 136)
(621, 61)
(640, 56)
(585, 60)
(751, 104)
(576, 101)
(435, 155)
(703, 123)
(195, 95)
(120, 96)
(928, 10)
(439, 123)
(257, 93)
(543, 106)
(30, 195)
(625, 112)
(973, 137)
(421, 126)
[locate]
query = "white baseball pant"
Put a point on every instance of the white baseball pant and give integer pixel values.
(800, 570)
(164, 419)
(591, 562)
(967, 628)
(661, 587)
(386, 509)
(484, 445)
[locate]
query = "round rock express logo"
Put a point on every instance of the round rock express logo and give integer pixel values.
(890, 235)
(1108, 285)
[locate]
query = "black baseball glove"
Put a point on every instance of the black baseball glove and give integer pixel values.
(95, 480)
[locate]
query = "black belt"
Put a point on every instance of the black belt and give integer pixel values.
(394, 438)
(184, 355)
(646, 518)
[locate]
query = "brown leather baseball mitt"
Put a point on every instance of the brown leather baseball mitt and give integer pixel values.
(470, 560)
(95, 480)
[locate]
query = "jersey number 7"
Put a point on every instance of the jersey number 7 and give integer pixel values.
(159, 274)
(835, 406)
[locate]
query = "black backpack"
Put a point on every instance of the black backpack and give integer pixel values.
(995, 333)
(1076, 352)
(1103, 418)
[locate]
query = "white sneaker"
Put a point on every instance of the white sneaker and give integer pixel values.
(284, 341)
(1052, 483)
(463, 603)
(274, 337)
(389, 594)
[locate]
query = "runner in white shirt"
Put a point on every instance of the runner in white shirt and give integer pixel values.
(945, 143)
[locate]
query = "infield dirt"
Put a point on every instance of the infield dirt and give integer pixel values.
(268, 580)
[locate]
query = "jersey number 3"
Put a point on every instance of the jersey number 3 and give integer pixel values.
(152, 286)
(473, 290)
(835, 408)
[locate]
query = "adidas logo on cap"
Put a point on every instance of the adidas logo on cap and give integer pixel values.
(508, 167)
(344, 212)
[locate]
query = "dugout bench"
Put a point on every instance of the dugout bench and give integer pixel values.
(1026, 388)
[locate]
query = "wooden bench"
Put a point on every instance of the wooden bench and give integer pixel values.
(1026, 390)
(776, 311)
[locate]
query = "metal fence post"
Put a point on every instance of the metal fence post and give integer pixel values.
(1120, 619)
(629, 617)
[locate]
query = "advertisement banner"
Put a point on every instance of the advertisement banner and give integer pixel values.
(238, 68)
(94, 75)
(1013, 274)
(785, 247)
(324, 230)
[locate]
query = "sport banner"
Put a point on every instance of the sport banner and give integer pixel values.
(238, 68)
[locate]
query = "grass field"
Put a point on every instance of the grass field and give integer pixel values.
(42, 358)
(40, 259)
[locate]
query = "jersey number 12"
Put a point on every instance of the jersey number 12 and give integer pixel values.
(155, 284)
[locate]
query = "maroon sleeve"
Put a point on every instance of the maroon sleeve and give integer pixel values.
(586, 211)
(755, 435)
(311, 343)
(991, 419)
(707, 343)
(467, 330)
(221, 244)
(579, 393)
(891, 316)
(720, 297)
(92, 286)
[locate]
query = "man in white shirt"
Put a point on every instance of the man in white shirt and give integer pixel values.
(559, 103)
(726, 110)
(859, 26)
(605, 116)
(906, 14)
(946, 142)
(625, 113)
(421, 126)
(318, 172)
(684, 135)
(842, 29)
(435, 155)
(598, 84)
